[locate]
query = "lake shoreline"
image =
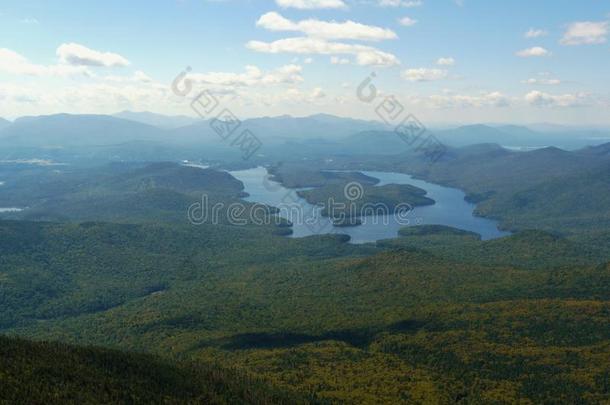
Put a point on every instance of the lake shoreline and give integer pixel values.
(450, 209)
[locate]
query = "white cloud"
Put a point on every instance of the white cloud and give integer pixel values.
(14, 63)
(92, 97)
(293, 96)
(535, 33)
(543, 81)
(365, 55)
(400, 3)
(407, 21)
(324, 29)
(424, 74)
(448, 100)
(310, 4)
(318, 93)
(307, 61)
(534, 51)
(335, 60)
(253, 76)
(585, 33)
(541, 99)
(79, 55)
(73, 61)
(137, 77)
(142, 77)
(445, 62)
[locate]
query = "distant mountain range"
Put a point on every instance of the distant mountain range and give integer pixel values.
(79, 130)
(322, 130)
(63, 130)
(158, 120)
(523, 136)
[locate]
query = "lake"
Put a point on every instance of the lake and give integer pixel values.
(450, 209)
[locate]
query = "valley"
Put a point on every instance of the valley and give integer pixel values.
(494, 293)
(309, 202)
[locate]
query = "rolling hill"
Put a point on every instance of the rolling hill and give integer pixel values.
(58, 373)
(117, 192)
(319, 315)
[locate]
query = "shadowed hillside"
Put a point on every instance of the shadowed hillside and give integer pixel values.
(58, 373)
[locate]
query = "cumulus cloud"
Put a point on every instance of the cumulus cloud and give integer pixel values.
(318, 93)
(293, 96)
(445, 62)
(535, 33)
(325, 29)
(92, 97)
(541, 99)
(310, 4)
(407, 21)
(424, 74)
(79, 55)
(137, 77)
(74, 60)
(585, 33)
(365, 55)
(253, 76)
(533, 52)
(14, 63)
(400, 3)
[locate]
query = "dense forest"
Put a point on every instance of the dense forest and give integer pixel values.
(45, 372)
(322, 315)
(105, 261)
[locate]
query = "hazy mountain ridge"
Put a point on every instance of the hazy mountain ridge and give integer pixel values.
(521, 136)
(157, 120)
(76, 130)
(67, 130)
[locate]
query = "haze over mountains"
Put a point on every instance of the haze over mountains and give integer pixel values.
(66, 130)
(157, 120)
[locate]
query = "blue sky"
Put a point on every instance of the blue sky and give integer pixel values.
(446, 61)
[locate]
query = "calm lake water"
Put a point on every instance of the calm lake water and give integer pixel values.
(450, 209)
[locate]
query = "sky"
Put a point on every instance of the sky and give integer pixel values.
(445, 61)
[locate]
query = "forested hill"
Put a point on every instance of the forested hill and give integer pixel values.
(46, 373)
(442, 314)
